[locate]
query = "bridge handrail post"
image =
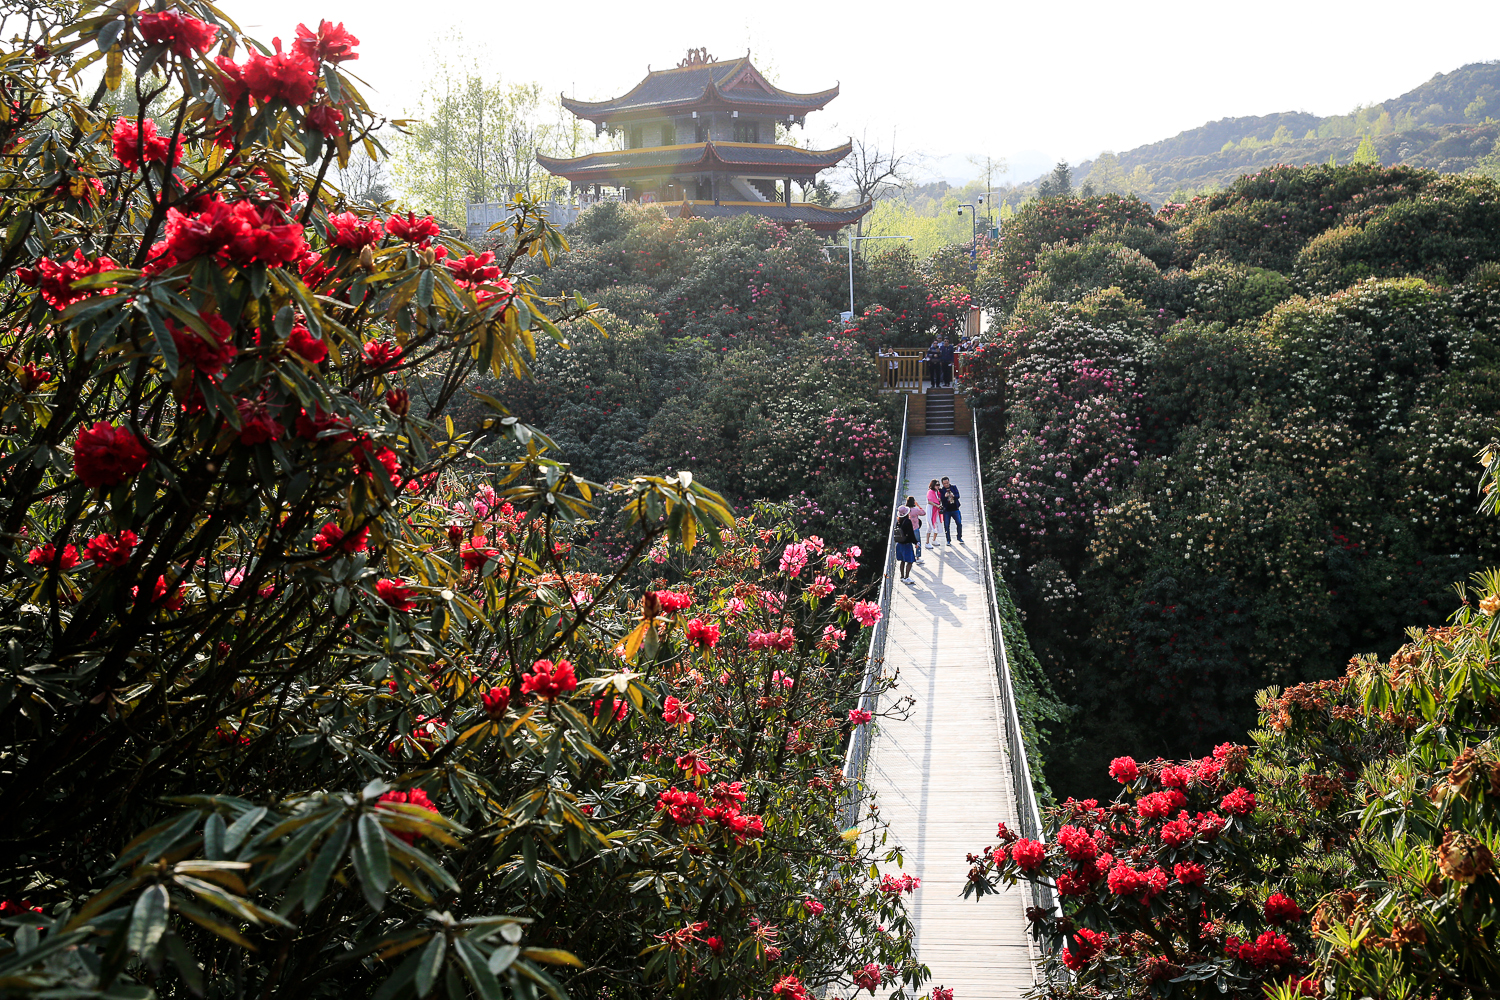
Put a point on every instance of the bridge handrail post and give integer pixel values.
(1028, 813)
(869, 698)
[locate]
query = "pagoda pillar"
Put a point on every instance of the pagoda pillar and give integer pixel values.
(786, 191)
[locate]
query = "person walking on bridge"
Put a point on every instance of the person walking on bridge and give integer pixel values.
(945, 362)
(935, 509)
(951, 513)
(906, 541)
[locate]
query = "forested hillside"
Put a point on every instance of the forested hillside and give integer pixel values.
(723, 356)
(1447, 124)
(1232, 445)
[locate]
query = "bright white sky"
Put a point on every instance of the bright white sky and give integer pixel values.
(1030, 82)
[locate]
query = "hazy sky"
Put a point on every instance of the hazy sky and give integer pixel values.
(1029, 82)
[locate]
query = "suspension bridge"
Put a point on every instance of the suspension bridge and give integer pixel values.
(944, 776)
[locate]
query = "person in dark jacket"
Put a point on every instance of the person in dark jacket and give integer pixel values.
(951, 513)
(945, 359)
(906, 541)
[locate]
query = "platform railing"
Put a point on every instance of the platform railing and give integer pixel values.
(1028, 813)
(858, 754)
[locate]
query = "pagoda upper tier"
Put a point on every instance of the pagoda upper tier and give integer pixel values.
(731, 86)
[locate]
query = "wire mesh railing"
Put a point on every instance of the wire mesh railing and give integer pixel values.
(869, 690)
(1028, 813)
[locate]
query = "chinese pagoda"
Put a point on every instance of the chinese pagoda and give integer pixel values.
(701, 138)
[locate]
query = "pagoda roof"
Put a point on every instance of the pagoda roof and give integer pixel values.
(695, 157)
(817, 217)
(726, 84)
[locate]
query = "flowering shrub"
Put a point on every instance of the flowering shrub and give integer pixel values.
(1348, 853)
(298, 692)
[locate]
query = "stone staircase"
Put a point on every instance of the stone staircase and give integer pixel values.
(939, 411)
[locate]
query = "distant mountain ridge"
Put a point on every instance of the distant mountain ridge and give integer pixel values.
(1446, 124)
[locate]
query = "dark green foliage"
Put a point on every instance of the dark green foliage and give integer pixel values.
(1303, 487)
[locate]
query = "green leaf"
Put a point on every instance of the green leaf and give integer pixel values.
(240, 828)
(372, 862)
(429, 964)
(187, 966)
(324, 864)
(477, 969)
(148, 920)
(213, 837)
(502, 957)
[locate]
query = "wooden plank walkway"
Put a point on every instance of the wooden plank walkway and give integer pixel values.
(942, 775)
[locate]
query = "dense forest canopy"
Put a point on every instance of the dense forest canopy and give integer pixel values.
(1236, 439)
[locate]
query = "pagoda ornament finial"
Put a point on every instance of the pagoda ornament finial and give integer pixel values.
(696, 57)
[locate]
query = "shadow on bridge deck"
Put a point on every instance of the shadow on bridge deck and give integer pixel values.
(942, 777)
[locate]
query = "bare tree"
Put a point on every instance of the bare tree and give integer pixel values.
(873, 172)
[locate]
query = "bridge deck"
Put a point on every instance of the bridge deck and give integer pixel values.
(942, 776)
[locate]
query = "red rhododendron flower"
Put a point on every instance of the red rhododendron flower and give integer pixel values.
(208, 357)
(1072, 884)
(167, 595)
(411, 228)
(476, 269)
(700, 633)
(1239, 802)
(1281, 909)
(55, 279)
(414, 797)
(476, 556)
(134, 145)
(183, 35)
(895, 885)
(682, 808)
(998, 856)
(1125, 881)
(693, 764)
(939, 993)
(330, 43)
(866, 613)
(673, 600)
(1189, 873)
(1210, 825)
(32, 377)
(396, 593)
(618, 708)
(260, 237)
(1028, 854)
(257, 426)
(496, 700)
(199, 234)
(302, 343)
(1175, 777)
(1077, 844)
(282, 76)
(105, 455)
(675, 712)
(859, 716)
(547, 680)
(1124, 770)
(867, 978)
(111, 550)
(813, 906)
(325, 118)
(382, 353)
(48, 555)
(1271, 948)
(350, 232)
(1177, 832)
(331, 536)
(1084, 946)
(316, 427)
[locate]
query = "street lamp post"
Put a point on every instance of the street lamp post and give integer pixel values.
(973, 226)
(850, 249)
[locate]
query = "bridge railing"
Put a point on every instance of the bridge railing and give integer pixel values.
(1028, 813)
(869, 694)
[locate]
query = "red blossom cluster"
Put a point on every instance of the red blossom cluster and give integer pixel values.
(784, 640)
(675, 713)
(414, 797)
(895, 885)
(331, 537)
(702, 634)
(55, 278)
(105, 455)
(111, 550)
(396, 593)
(209, 353)
(496, 701)
(236, 233)
(348, 231)
(548, 680)
(135, 145)
(181, 34)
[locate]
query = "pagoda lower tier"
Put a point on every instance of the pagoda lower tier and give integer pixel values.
(713, 179)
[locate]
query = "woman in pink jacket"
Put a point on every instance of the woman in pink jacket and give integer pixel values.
(935, 507)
